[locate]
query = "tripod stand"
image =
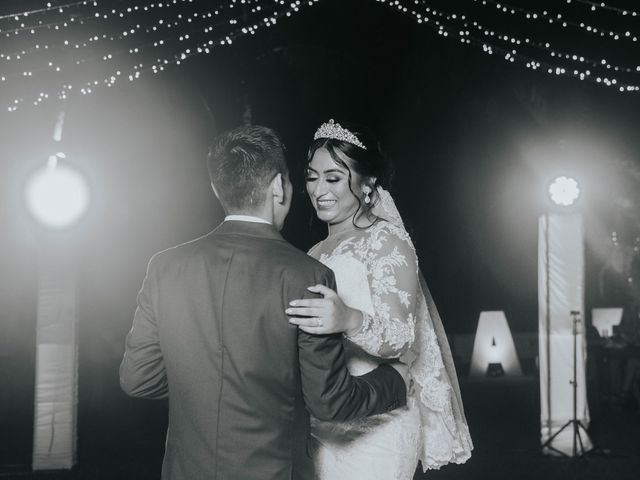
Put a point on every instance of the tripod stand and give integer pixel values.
(578, 429)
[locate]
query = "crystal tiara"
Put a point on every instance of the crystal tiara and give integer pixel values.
(337, 132)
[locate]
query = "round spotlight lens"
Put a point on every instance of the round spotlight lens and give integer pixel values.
(57, 196)
(564, 191)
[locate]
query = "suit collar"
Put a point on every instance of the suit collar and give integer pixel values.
(235, 227)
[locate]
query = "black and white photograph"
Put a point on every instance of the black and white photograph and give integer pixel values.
(319, 240)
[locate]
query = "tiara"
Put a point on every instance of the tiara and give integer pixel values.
(337, 132)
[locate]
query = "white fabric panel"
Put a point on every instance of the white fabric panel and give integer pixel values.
(560, 291)
(604, 319)
(55, 417)
(54, 421)
(494, 344)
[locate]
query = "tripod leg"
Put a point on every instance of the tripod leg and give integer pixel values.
(547, 443)
(577, 426)
(595, 448)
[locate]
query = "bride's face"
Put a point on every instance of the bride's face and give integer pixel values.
(328, 188)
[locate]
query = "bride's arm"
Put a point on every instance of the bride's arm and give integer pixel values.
(393, 281)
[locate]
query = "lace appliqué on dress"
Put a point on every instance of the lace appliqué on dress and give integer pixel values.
(406, 331)
(385, 332)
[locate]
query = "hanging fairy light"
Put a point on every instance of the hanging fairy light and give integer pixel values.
(204, 47)
(557, 54)
(557, 19)
(128, 32)
(40, 24)
(448, 25)
(265, 17)
(49, 7)
(153, 36)
(601, 5)
(123, 35)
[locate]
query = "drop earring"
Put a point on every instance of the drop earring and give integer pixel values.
(366, 190)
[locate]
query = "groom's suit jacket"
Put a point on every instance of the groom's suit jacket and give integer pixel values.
(210, 333)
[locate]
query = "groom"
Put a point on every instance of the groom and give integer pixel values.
(211, 333)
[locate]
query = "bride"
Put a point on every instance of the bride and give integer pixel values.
(385, 312)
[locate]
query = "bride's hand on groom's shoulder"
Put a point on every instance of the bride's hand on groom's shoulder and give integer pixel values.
(325, 315)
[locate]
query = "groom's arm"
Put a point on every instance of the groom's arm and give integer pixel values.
(142, 371)
(330, 392)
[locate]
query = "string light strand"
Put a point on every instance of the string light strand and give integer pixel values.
(50, 7)
(136, 71)
(595, 5)
(559, 19)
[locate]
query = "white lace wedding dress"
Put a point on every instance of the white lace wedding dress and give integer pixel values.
(377, 272)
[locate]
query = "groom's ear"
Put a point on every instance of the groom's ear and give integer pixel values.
(215, 192)
(277, 189)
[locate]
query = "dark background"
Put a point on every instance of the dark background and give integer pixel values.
(474, 141)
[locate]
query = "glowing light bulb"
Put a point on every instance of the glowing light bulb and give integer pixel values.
(57, 196)
(564, 191)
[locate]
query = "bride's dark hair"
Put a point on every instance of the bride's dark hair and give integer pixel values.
(370, 163)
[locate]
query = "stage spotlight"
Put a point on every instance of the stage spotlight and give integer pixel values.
(57, 195)
(564, 191)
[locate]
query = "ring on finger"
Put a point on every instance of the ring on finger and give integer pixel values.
(318, 322)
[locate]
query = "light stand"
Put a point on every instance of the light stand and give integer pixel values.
(576, 425)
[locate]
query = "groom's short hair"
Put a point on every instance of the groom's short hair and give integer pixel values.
(242, 162)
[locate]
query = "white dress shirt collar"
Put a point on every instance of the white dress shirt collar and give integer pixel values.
(246, 218)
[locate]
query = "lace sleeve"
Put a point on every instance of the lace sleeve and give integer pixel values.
(393, 281)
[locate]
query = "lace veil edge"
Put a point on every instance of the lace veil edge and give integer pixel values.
(462, 452)
(461, 444)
